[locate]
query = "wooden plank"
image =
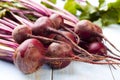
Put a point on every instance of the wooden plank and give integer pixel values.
(10, 72)
(83, 71)
(44, 73)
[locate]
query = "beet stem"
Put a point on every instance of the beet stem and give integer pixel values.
(22, 20)
(42, 7)
(9, 43)
(11, 21)
(37, 7)
(6, 37)
(108, 56)
(63, 15)
(5, 27)
(74, 19)
(73, 43)
(6, 55)
(77, 37)
(102, 36)
(49, 59)
(26, 12)
(69, 23)
(7, 23)
(112, 52)
(43, 39)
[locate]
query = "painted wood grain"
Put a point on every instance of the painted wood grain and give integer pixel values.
(10, 72)
(84, 71)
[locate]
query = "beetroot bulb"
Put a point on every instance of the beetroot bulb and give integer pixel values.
(27, 55)
(85, 29)
(19, 33)
(99, 49)
(59, 50)
(57, 20)
(90, 32)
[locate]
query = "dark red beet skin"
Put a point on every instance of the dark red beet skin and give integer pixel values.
(97, 48)
(27, 56)
(41, 25)
(57, 20)
(59, 50)
(20, 33)
(84, 45)
(58, 64)
(87, 31)
(83, 28)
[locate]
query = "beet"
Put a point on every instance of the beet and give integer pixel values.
(57, 20)
(20, 33)
(62, 50)
(27, 56)
(85, 29)
(41, 26)
(91, 32)
(97, 48)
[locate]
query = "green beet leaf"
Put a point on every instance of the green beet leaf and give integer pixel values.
(70, 6)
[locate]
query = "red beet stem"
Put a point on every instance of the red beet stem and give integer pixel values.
(72, 17)
(26, 12)
(6, 37)
(77, 37)
(73, 43)
(43, 39)
(22, 20)
(7, 23)
(102, 36)
(5, 27)
(79, 59)
(6, 55)
(37, 7)
(8, 43)
(112, 52)
(10, 21)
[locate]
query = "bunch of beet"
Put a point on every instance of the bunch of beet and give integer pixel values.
(57, 42)
(53, 38)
